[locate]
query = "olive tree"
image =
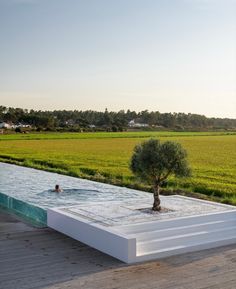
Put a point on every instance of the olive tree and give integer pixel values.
(154, 161)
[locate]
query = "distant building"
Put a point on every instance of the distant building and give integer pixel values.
(134, 124)
(5, 125)
(22, 125)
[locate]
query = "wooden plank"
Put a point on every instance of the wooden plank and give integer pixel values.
(42, 258)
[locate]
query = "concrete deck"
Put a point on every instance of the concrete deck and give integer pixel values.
(42, 258)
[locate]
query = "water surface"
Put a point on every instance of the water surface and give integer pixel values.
(36, 188)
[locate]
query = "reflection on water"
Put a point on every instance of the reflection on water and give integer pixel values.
(36, 187)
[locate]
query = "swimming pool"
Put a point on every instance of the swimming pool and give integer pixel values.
(108, 218)
(29, 192)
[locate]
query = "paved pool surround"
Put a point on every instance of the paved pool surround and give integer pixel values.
(116, 220)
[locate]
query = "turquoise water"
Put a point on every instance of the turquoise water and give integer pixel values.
(34, 214)
(30, 192)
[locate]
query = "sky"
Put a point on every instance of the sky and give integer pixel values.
(160, 55)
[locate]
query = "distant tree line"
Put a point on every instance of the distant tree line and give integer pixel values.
(89, 120)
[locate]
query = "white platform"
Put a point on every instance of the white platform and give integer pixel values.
(121, 230)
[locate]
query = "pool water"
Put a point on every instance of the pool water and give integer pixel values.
(32, 190)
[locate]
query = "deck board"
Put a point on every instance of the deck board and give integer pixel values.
(42, 258)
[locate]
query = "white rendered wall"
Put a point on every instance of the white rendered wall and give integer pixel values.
(99, 237)
(150, 240)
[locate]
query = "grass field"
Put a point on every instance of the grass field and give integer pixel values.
(105, 157)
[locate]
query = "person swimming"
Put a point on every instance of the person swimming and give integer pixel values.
(57, 189)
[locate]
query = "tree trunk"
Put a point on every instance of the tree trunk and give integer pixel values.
(156, 194)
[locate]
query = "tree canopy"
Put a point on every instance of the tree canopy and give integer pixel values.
(112, 121)
(153, 162)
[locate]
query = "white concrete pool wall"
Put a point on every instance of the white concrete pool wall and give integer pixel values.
(104, 239)
(145, 239)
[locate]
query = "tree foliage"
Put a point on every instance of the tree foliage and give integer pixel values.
(153, 162)
(110, 120)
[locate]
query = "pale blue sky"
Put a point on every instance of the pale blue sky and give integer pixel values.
(166, 55)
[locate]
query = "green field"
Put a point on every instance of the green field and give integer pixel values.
(105, 157)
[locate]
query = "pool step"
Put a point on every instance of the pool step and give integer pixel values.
(185, 239)
(176, 236)
(147, 227)
(191, 229)
(181, 249)
(148, 240)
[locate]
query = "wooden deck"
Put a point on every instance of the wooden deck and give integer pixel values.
(42, 258)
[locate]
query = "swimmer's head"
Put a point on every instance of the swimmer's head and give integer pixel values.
(57, 188)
